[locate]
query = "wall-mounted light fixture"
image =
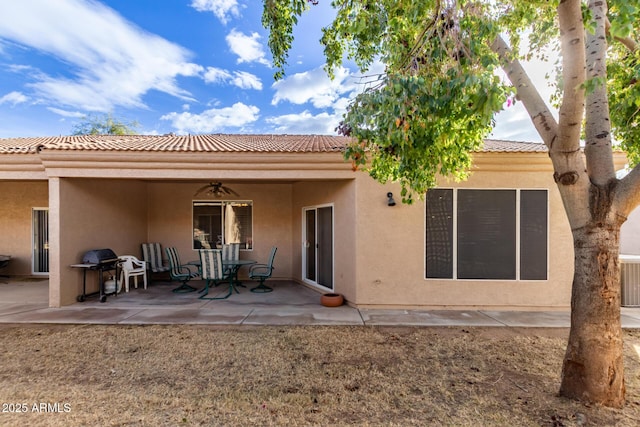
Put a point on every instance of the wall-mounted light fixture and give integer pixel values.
(390, 201)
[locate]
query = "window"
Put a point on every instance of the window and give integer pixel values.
(486, 234)
(221, 222)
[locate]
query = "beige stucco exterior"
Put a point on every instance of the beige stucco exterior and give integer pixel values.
(391, 260)
(17, 199)
(119, 200)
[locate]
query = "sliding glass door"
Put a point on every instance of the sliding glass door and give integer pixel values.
(40, 241)
(317, 241)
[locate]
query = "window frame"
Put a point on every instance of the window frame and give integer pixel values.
(517, 237)
(223, 203)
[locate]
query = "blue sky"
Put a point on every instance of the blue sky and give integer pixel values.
(182, 66)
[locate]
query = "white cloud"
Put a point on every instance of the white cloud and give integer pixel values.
(13, 98)
(514, 124)
(216, 75)
(247, 48)
(115, 62)
(246, 80)
(315, 87)
(305, 123)
(221, 8)
(241, 79)
(65, 113)
(214, 120)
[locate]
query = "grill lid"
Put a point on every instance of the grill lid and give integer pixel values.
(99, 256)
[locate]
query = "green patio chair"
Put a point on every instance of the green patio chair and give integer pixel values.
(211, 271)
(152, 256)
(180, 272)
(231, 252)
(262, 272)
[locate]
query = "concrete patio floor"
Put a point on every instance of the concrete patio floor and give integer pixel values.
(26, 301)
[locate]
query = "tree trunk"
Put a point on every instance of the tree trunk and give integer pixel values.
(593, 363)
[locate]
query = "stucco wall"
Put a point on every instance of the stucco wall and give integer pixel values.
(630, 234)
(170, 220)
(340, 194)
(17, 198)
(92, 214)
(391, 253)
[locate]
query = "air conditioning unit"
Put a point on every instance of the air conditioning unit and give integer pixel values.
(630, 280)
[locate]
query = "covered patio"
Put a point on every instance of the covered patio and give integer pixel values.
(26, 301)
(120, 192)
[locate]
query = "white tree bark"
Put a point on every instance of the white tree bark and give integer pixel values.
(595, 202)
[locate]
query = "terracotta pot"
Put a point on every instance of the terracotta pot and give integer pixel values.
(332, 300)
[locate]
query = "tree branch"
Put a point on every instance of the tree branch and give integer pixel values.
(628, 42)
(527, 93)
(627, 196)
(572, 47)
(598, 150)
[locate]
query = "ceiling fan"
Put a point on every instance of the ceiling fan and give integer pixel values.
(216, 189)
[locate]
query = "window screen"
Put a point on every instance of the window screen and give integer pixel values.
(473, 234)
(439, 226)
(533, 234)
(486, 234)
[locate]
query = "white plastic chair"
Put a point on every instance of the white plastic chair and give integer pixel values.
(132, 267)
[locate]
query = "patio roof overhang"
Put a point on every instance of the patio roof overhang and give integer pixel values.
(22, 167)
(196, 165)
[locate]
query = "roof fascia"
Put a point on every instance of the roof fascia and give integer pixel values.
(22, 167)
(246, 165)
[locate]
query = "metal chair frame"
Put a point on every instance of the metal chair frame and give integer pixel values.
(180, 272)
(262, 272)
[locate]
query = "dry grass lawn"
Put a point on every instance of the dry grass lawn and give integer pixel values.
(308, 376)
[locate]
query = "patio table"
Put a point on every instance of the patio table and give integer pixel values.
(233, 266)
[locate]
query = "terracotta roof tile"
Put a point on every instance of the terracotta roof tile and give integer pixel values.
(499, 146)
(213, 143)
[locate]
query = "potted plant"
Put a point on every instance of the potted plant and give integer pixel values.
(332, 299)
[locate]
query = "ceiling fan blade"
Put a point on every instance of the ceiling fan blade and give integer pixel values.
(216, 189)
(202, 189)
(230, 191)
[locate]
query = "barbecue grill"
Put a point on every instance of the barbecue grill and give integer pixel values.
(101, 257)
(4, 263)
(100, 260)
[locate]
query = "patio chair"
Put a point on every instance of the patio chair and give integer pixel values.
(231, 252)
(152, 255)
(180, 272)
(262, 272)
(132, 267)
(211, 271)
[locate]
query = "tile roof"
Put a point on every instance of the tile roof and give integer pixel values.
(498, 146)
(19, 146)
(213, 143)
